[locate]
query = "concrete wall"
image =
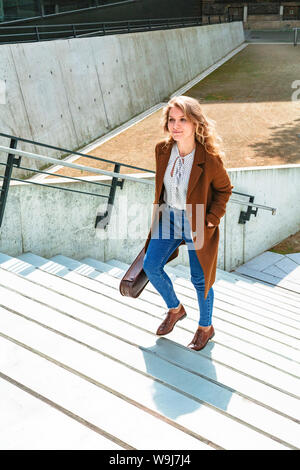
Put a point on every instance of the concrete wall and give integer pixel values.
(68, 93)
(50, 222)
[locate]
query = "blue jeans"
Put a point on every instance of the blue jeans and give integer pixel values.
(173, 227)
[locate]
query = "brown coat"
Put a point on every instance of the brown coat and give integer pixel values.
(210, 186)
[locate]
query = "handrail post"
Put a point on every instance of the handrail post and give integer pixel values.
(11, 160)
(104, 218)
(244, 216)
(37, 33)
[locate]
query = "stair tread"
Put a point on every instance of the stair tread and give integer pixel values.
(231, 310)
(114, 375)
(231, 358)
(234, 320)
(246, 378)
(21, 411)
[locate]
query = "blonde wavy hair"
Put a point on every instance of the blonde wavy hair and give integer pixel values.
(205, 131)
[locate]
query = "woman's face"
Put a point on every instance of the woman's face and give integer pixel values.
(179, 126)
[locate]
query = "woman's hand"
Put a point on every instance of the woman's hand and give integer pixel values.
(209, 224)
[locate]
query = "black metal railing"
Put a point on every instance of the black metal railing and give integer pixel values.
(12, 162)
(35, 33)
(102, 220)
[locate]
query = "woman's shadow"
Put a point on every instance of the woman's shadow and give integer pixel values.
(185, 378)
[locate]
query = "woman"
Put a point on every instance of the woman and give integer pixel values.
(192, 188)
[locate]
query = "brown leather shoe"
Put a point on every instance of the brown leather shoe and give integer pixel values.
(169, 322)
(201, 338)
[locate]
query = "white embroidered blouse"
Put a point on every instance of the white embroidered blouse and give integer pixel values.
(177, 177)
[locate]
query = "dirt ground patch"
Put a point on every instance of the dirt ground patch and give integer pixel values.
(289, 245)
(249, 97)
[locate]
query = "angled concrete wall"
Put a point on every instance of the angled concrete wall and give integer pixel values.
(68, 93)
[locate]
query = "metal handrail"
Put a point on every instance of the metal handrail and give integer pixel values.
(77, 30)
(51, 174)
(252, 204)
(118, 175)
(54, 187)
(69, 152)
(175, 18)
(35, 156)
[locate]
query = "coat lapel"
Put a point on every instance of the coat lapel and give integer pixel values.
(162, 163)
(196, 171)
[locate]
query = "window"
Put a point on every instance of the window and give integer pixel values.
(57, 6)
(15, 9)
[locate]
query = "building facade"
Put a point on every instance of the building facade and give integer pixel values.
(11, 10)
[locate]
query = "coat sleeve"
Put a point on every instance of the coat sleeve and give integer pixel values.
(222, 190)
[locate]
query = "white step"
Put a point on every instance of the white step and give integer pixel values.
(118, 264)
(28, 422)
(252, 286)
(183, 271)
(259, 389)
(136, 302)
(234, 317)
(189, 290)
(260, 305)
(293, 310)
(103, 380)
(87, 398)
(290, 328)
(276, 302)
(88, 362)
(273, 359)
(289, 296)
(248, 287)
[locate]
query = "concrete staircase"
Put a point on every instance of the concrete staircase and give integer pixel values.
(82, 368)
